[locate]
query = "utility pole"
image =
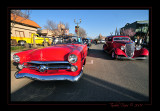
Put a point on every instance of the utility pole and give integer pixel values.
(77, 26)
(33, 38)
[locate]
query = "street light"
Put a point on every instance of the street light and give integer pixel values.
(77, 22)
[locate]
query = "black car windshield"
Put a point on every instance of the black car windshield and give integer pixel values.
(67, 40)
(85, 40)
(120, 39)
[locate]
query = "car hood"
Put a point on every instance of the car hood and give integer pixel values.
(121, 42)
(54, 53)
(118, 44)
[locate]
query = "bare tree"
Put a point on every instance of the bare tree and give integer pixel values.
(57, 29)
(82, 32)
(129, 32)
(67, 26)
(50, 25)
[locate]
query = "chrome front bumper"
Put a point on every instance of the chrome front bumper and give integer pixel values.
(129, 58)
(50, 78)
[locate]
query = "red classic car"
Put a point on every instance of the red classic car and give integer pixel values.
(122, 47)
(62, 61)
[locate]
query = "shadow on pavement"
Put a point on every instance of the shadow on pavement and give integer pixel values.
(97, 53)
(87, 89)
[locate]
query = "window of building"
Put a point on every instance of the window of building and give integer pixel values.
(30, 34)
(19, 33)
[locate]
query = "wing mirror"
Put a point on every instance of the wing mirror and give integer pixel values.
(85, 43)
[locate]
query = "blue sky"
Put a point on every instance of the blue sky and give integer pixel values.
(95, 22)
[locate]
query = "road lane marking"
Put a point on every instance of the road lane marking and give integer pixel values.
(90, 62)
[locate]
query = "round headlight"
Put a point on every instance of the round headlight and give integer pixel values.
(74, 68)
(122, 47)
(72, 58)
(16, 58)
(138, 47)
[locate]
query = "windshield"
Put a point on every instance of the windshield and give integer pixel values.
(67, 40)
(85, 40)
(120, 39)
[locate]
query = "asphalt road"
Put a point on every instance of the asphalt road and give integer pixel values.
(104, 79)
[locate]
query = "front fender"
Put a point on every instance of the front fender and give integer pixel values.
(144, 51)
(118, 51)
(79, 56)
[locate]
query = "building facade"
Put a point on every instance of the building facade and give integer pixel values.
(22, 28)
(141, 28)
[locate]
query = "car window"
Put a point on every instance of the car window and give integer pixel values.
(109, 39)
(120, 39)
(67, 40)
(85, 41)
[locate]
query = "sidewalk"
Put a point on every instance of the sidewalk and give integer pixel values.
(18, 83)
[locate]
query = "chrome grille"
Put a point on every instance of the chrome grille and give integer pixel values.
(129, 49)
(42, 66)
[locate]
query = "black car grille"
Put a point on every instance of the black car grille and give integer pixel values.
(48, 65)
(129, 49)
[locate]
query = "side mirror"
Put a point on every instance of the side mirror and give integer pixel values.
(85, 43)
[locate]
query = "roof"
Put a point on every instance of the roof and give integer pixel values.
(143, 22)
(24, 21)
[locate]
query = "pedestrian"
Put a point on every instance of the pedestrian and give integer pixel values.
(53, 41)
(95, 42)
(138, 41)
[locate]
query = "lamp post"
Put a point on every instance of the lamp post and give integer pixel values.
(77, 26)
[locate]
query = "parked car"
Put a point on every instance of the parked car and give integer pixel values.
(62, 61)
(121, 47)
(98, 41)
(87, 42)
(102, 41)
